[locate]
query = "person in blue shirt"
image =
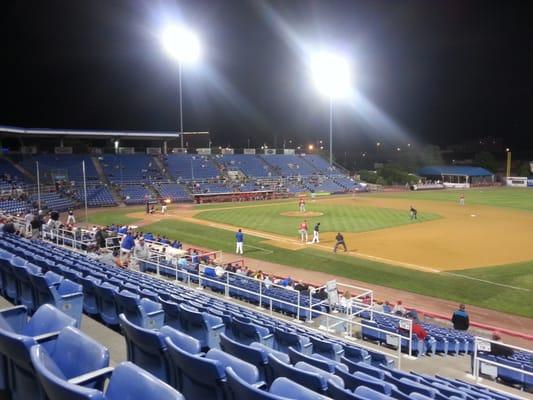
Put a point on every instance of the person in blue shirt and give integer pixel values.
(460, 319)
(239, 236)
(123, 229)
(128, 243)
(177, 244)
(149, 236)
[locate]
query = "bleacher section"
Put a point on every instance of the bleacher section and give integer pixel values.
(54, 201)
(130, 168)
(66, 167)
(14, 206)
(289, 165)
(188, 166)
(172, 191)
(97, 196)
(209, 348)
(320, 164)
(135, 194)
(250, 165)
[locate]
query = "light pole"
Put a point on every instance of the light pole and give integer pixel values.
(331, 76)
(184, 46)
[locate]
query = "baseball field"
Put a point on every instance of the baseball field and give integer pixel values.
(480, 253)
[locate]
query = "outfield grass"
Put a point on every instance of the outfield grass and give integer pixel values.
(520, 198)
(336, 217)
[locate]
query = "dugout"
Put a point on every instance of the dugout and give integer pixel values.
(457, 176)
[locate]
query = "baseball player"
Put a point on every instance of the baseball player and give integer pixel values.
(71, 219)
(302, 205)
(413, 212)
(316, 238)
(239, 237)
(462, 199)
(303, 232)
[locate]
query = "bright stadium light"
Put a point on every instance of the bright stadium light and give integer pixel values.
(181, 43)
(331, 75)
(184, 46)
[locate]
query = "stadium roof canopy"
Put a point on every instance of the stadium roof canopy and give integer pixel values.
(34, 132)
(453, 171)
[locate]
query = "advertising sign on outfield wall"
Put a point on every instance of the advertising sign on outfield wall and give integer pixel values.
(288, 151)
(516, 181)
(227, 151)
(203, 151)
(63, 150)
(270, 151)
(249, 151)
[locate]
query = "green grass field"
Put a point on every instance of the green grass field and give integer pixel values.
(485, 291)
(336, 217)
(519, 198)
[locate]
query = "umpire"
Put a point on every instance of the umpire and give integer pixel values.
(339, 242)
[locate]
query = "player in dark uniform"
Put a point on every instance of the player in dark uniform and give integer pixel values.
(339, 242)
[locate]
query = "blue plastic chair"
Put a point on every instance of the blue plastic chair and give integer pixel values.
(105, 299)
(310, 380)
(284, 339)
(27, 296)
(126, 382)
(182, 340)
(369, 394)
(333, 351)
(248, 332)
(147, 349)
(172, 312)
(74, 355)
(141, 312)
(356, 354)
(316, 360)
(5, 258)
(205, 377)
(90, 305)
(202, 326)
(11, 286)
(18, 334)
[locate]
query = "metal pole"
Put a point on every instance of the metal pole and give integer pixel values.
(85, 191)
(38, 185)
(181, 105)
(330, 131)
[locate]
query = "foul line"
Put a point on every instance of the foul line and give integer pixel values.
(486, 281)
(260, 248)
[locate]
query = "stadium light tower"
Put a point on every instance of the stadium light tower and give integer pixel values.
(331, 75)
(184, 46)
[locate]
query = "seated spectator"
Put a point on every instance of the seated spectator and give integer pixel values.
(176, 244)
(149, 236)
(259, 275)
(500, 350)
(128, 243)
(267, 282)
(286, 282)
(377, 306)
(460, 319)
(301, 286)
(399, 309)
(123, 229)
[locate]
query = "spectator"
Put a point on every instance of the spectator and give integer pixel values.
(378, 306)
(128, 243)
(301, 286)
(267, 282)
(460, 319)
(259, 275)
(418, 330)
(9, 227)
(399, 309)
(497, 349)
(36, 224)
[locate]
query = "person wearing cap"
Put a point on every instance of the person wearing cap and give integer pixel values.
(497, 349)
(399, 309)
(460, 319)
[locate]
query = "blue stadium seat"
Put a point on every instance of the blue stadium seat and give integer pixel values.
(409, 386)
(183, 341)
(18, 334)
(310, 380)
(353, 381)
(356, 354)
(90, 305)
(127, 381)
(333, 351)
(105, 299)
(202, 326)
(11, 287)
(74, 354)
(205, 377)
(369, 394)
(172, 312)
(27, 296)
(283, 339)
(253, 355)
(139, 311)
(248, 332)
(147, 349)
(67, 296)
(316, 360)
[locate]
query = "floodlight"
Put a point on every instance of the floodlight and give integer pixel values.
(181, 43)
(311, 147)
(331, 74)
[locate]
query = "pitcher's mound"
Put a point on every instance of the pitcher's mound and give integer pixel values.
(301, 214)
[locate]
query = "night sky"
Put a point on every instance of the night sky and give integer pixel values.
(425, 71)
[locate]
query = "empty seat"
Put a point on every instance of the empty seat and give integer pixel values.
(26, 292)
(18, 334)
(172, 312)
(205, 377)
(369, 394)
(409, 386)
(333, 351)
(310, 380)
(142, 312)
(283, 339)
(182, 340)
(90, 305)
(147, 349)
(353, 381)
(105, 299)
(66, 295)
(316, 360)
(126, 381)
(248, 332)
(202, 326)
(356, 354)
(74, 354)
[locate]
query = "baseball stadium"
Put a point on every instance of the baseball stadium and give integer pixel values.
(170, 264)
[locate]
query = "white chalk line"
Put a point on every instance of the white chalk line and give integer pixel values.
(487, 281)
